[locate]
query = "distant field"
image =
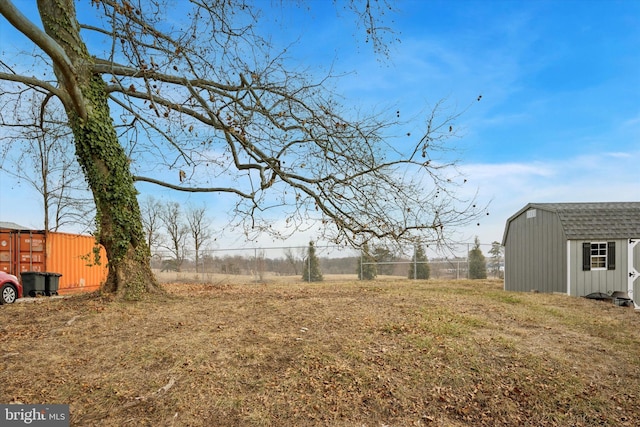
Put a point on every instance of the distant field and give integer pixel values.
(336, 353)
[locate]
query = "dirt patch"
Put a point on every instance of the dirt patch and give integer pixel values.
(335, 353)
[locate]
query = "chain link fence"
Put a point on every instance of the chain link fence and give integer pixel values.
(262, 264)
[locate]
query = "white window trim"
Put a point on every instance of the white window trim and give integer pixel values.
(605, 256)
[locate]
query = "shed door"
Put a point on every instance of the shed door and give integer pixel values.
(634, 274)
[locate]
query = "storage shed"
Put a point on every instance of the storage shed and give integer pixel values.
(70, 255)
(574, 248)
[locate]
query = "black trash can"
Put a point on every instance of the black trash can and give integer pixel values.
(33, 283)
(51, 283)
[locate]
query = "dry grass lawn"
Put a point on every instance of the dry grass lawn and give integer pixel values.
(337, 353)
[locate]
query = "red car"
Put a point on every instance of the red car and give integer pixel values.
(10, 288)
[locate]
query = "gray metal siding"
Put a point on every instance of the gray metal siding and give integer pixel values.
(535, 253)
(607, 281)
(636, 263)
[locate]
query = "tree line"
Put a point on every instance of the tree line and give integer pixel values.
(368, 265)
(170, 228)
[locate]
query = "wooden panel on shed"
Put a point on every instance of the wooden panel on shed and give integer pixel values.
(72, 256)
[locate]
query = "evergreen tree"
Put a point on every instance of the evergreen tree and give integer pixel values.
(311, 269)
(419, 267)
(496, 259)
(367, 269)
(477, 262)
(384, 255)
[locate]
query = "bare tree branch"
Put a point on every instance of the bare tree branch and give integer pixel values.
(206, 99)
(51, 48)
(192, 189)
(34, 82)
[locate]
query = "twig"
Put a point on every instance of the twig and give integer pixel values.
(139, 399)
(73, 319)
(167, 386)
(5, 356)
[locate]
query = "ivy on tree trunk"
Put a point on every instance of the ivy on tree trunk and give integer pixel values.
(103, 160)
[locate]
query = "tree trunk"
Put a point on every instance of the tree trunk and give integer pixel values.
(103, 160)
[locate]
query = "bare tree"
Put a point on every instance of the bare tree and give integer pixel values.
(177, 232)
(205, 103)
(293, 260)
(260, 261)
(41, 155)
(199, 229)
(151, 209)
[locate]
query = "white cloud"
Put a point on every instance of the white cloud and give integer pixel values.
(633, 122)
(507, 187)
(495, 171)
(619, 155)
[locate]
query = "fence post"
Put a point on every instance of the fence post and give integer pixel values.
(415, 263)
(468, 266)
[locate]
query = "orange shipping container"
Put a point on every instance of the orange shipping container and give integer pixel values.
(72, 256)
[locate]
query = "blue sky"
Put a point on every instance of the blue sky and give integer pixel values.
(559, 117)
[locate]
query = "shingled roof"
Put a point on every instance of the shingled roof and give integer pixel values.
(608, 220)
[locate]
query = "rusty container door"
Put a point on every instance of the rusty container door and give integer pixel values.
(31, 246)
(22, 250)
(71, 255)
(7, 258)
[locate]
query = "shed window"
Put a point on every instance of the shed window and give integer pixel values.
(599, 256)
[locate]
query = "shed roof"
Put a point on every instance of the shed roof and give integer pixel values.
(601, 220)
